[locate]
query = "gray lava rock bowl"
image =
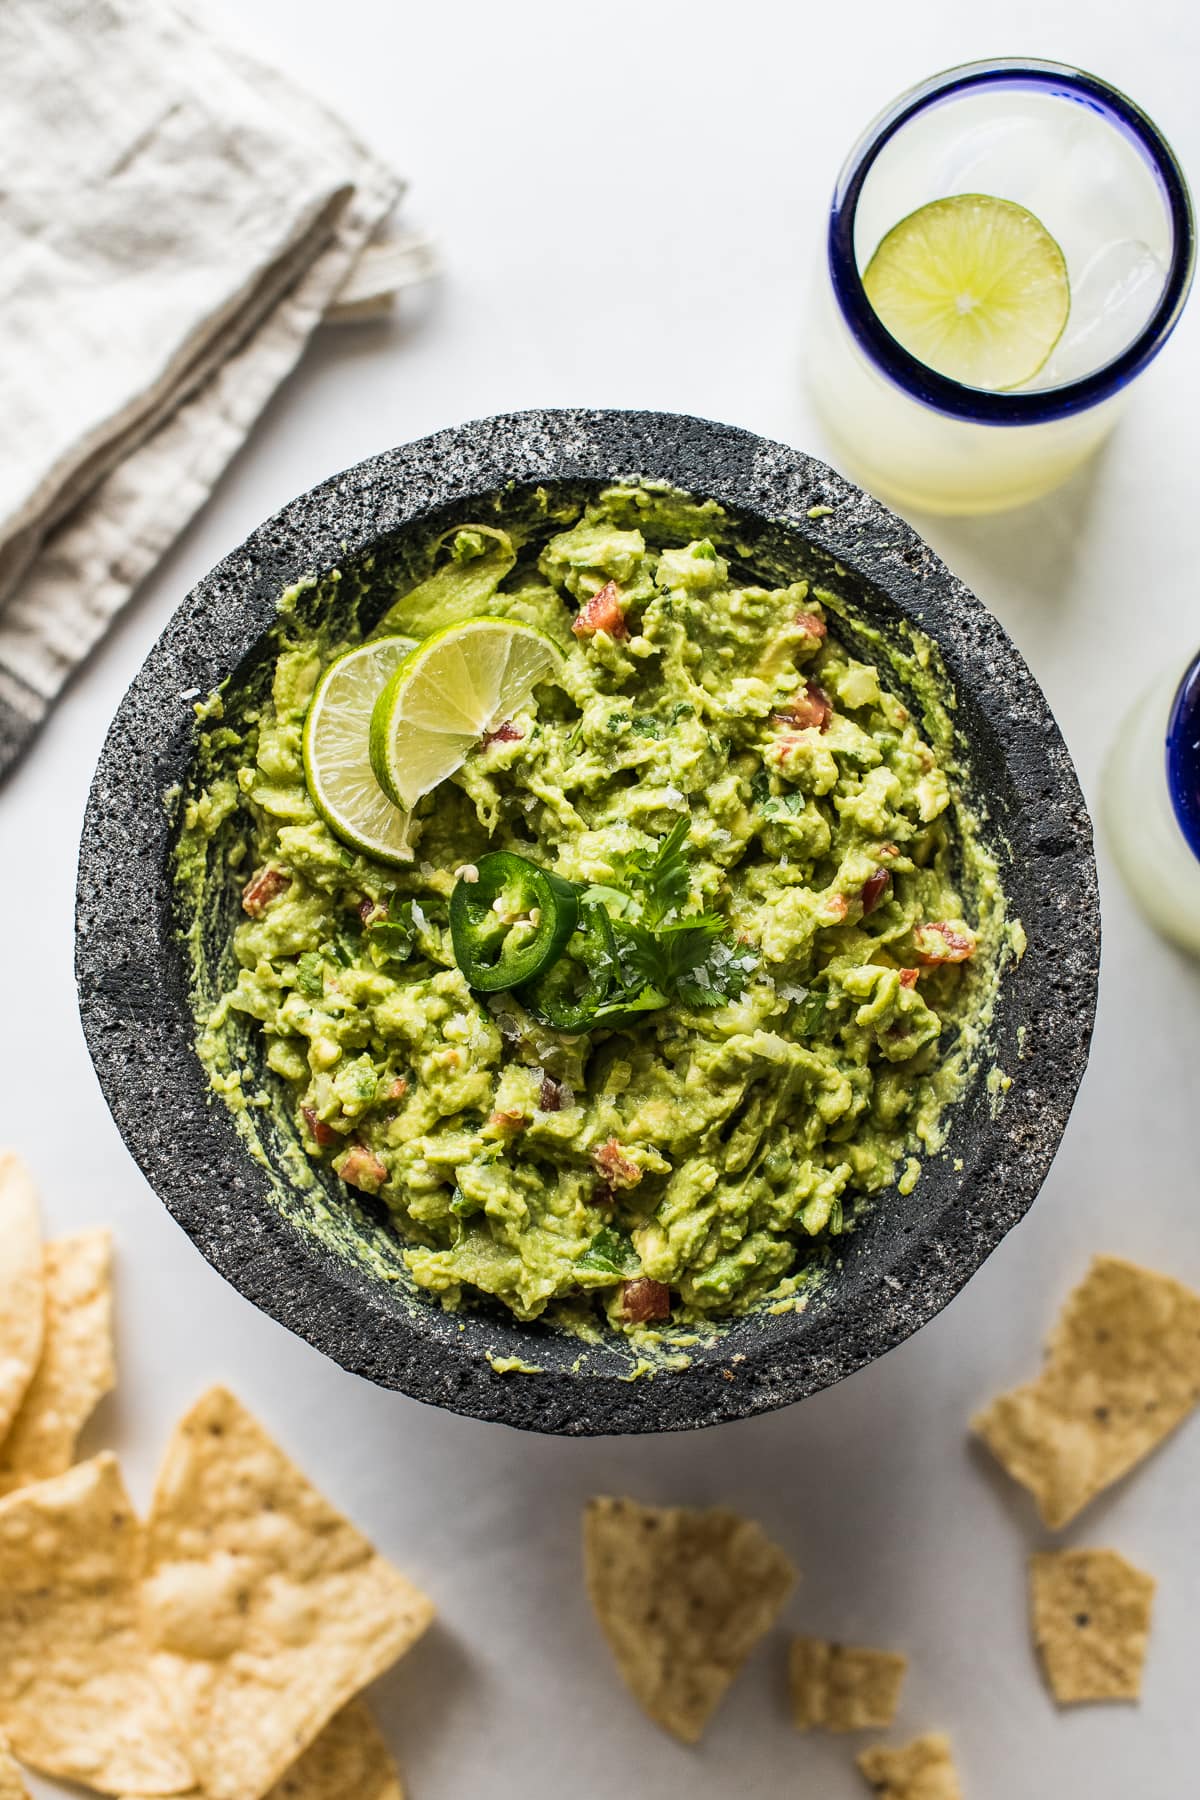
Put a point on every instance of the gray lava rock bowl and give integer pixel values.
(908, 1257)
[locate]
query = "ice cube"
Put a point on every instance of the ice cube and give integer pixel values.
(1001, 155)
(1111, 299)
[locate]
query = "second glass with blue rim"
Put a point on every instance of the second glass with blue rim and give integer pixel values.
(1152, 804)
(1102, 181)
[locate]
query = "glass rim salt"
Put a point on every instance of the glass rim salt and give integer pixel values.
(979, 405)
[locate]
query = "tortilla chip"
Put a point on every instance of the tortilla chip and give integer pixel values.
(349, 1761)
(842, 1689)
(267, 1610)
(77, 1366)
(12, 1787)
(1122, 1371)
(76, 1693)
(1091, 1623)
(22, 1304)
(923, 1770)
(682, 1597)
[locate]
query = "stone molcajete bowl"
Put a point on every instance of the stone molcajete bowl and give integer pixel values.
(908, 1258)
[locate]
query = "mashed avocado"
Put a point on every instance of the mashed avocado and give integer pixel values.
(688, 1163)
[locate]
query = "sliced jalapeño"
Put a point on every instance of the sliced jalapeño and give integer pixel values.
(510, 922)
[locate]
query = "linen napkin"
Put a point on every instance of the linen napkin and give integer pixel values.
(175, 219)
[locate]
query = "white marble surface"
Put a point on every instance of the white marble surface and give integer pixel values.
(629, 197)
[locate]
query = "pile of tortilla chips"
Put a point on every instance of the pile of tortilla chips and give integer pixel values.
(215, 1651)
(683, 1596)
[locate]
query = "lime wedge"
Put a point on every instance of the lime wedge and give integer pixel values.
(973, 286)
(456, 685)
(337, 751)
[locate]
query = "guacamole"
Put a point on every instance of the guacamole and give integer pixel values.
(737, 793)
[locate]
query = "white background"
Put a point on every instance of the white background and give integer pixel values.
(628, 198)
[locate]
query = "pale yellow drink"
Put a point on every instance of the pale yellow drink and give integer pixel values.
(1103, 184)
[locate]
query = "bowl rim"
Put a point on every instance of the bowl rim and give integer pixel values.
(141, 1045)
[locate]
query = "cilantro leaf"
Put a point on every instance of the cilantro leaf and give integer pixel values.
(611, 1253)
(614, 900)
(659, 878)
(662, 958)
(720, 975)
(650, 951)
(812, 1014)
(694, 959)
(624, 1005)
(395, 935)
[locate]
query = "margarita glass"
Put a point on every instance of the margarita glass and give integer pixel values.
(1105, 185)
(1152, 804)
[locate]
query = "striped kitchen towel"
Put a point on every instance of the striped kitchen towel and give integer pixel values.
(175, 218)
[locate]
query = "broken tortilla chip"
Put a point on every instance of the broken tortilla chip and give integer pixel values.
(77, 1697)
(22, 1302)
(922, 1770)
(350, 1758)
(1122, 1371)
(349, 1761)
(1091, 1623)
(12, 1786)
(77, 1366)
(682, 1597)
(267, 1610)
(837, 1688)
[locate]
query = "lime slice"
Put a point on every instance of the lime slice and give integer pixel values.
(337, 751)
(975, 287)
(456, 685)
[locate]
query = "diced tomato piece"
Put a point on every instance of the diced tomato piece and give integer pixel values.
(508, 1121)
(888, 850)
(324, 1134)
(909, 977)
(618, 1170)
(505, 733)
(361, 1168)
(837, 906)
(942, 943)
(644, 1300)
(811, 624)
(398, 1088)
(873, 890)
(554, 1094)
(263, 887)
(808, 708)
(602, 613)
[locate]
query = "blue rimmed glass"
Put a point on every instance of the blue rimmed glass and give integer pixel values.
(1151, 803)
(921, 436)
(1183, 756)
